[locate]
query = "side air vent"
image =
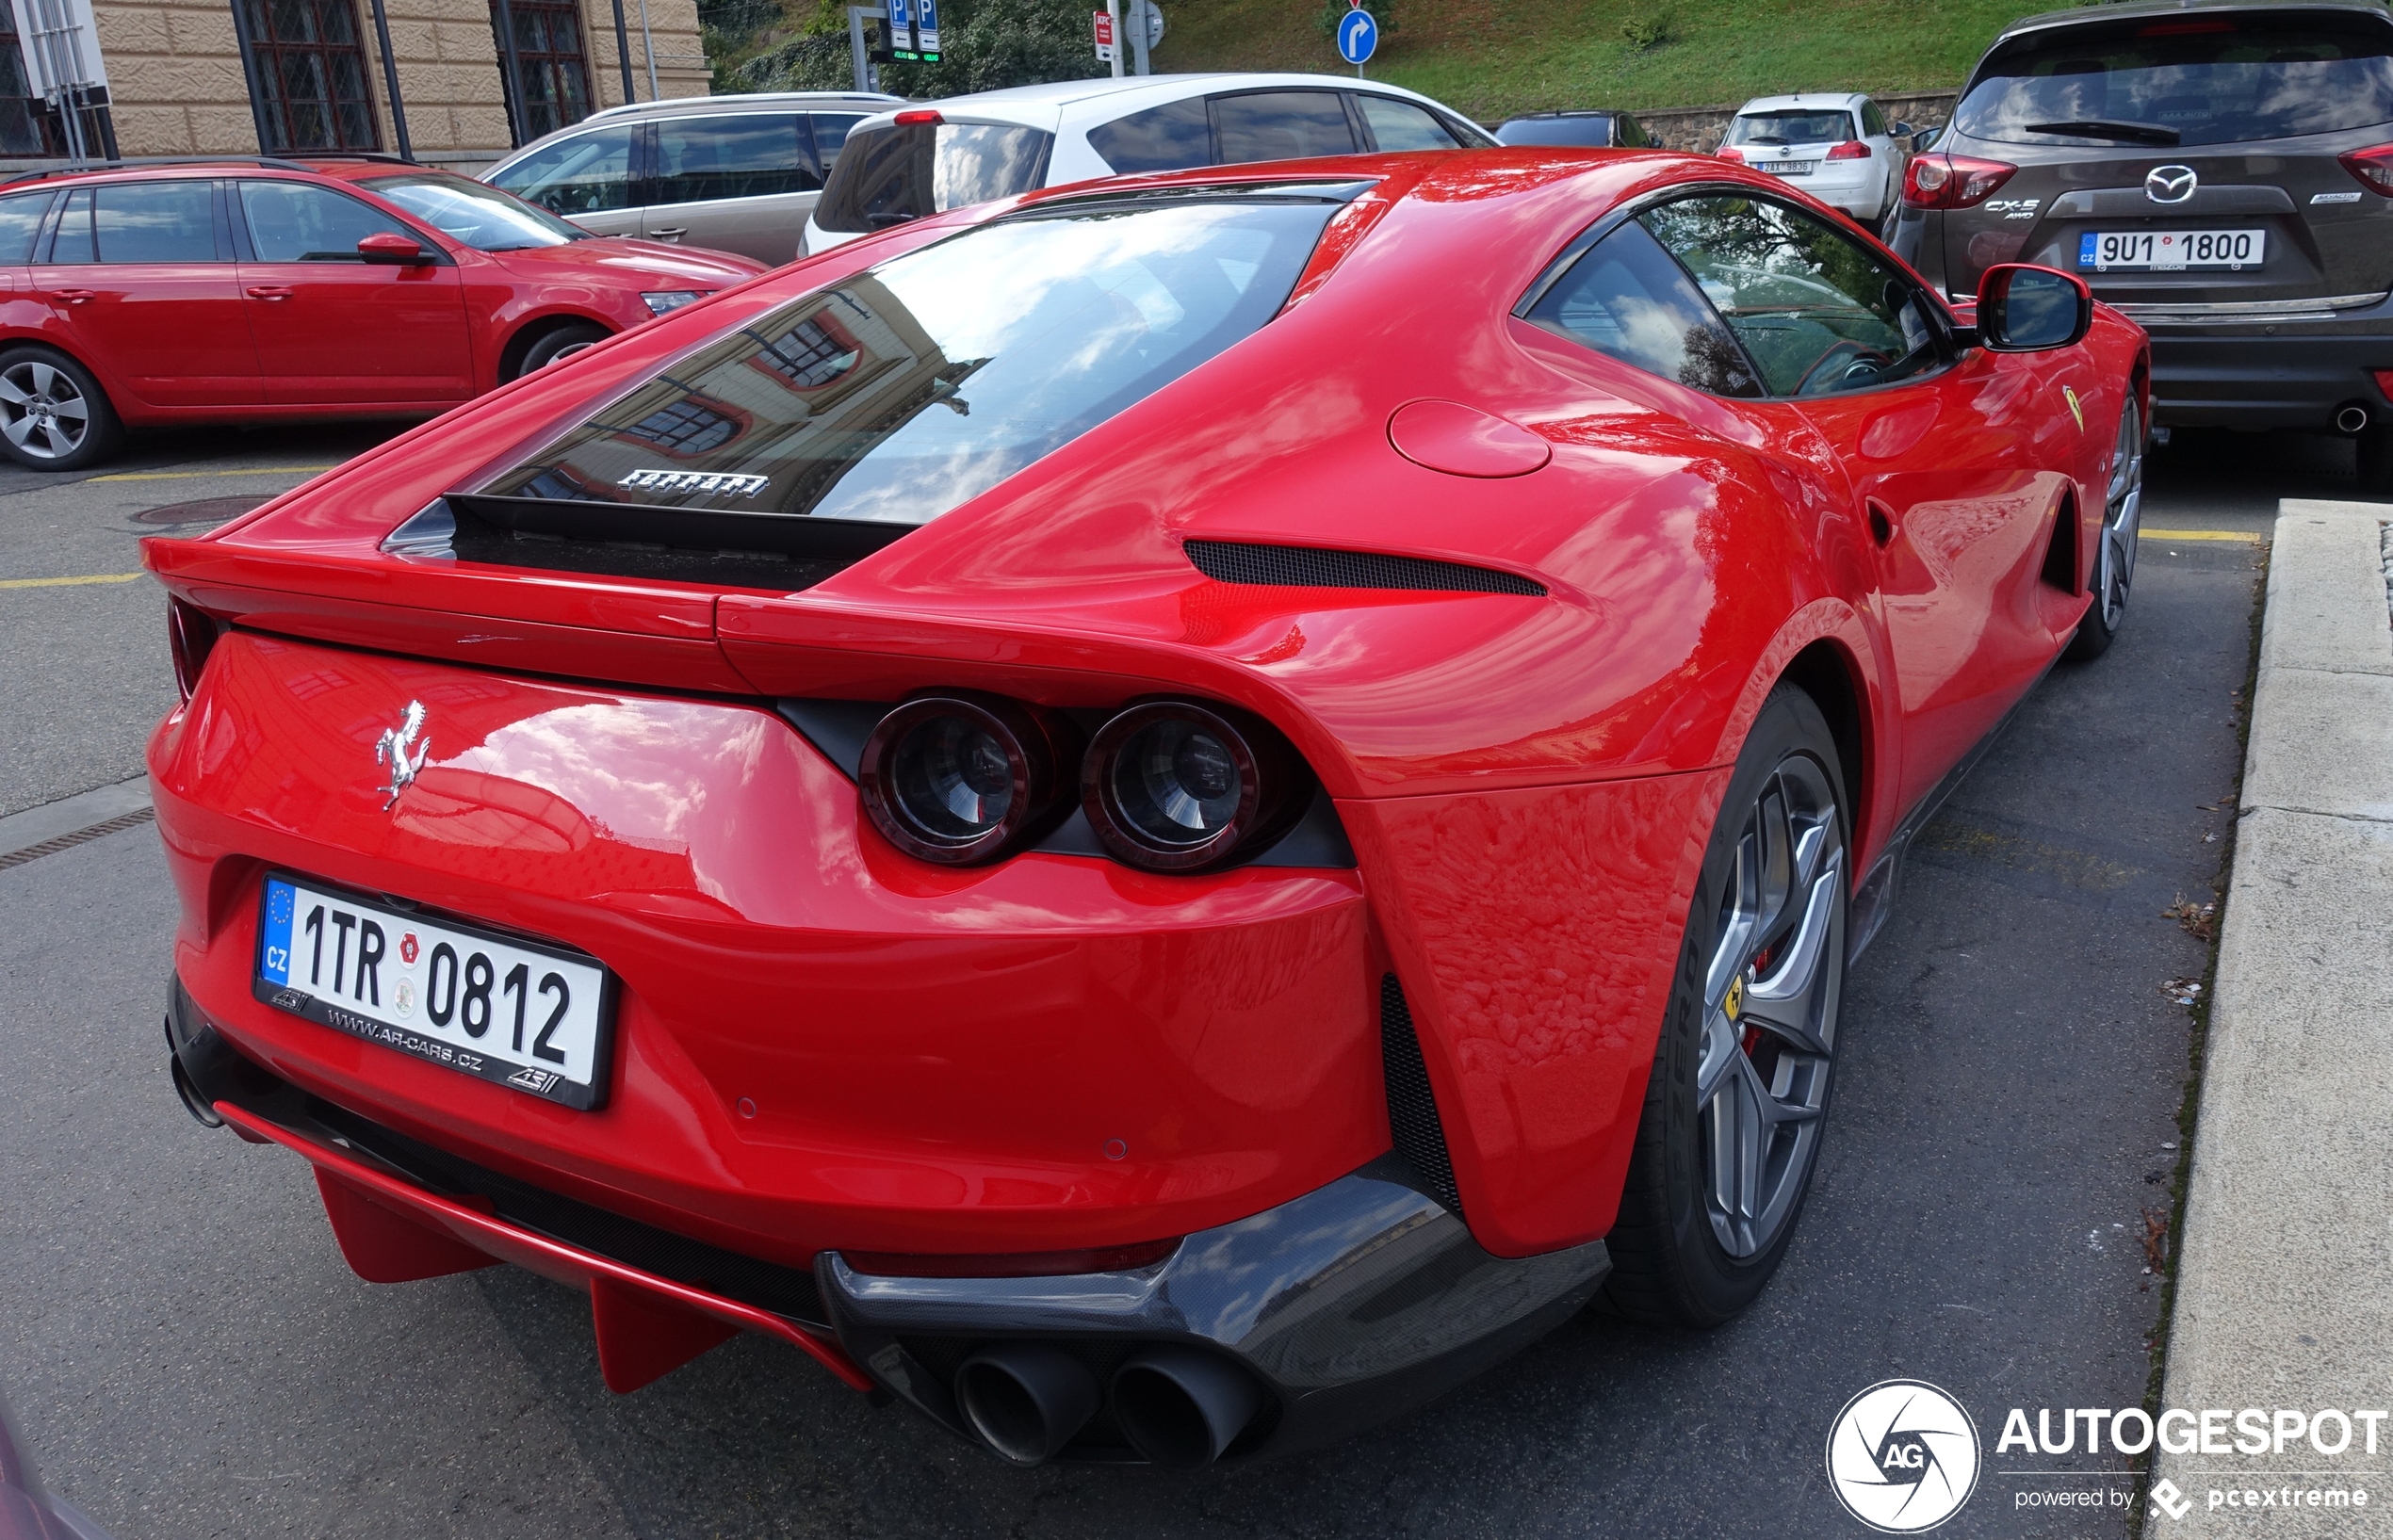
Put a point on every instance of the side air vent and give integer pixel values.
(1412, 1108)
(1306, 566)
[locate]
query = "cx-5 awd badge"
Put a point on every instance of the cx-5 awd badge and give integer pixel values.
(2170, 184)
(391, 749)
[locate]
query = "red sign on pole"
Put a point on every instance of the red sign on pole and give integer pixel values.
(1104, 37)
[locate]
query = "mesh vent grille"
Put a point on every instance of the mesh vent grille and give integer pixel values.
(1305, 566)
(1412, 1108)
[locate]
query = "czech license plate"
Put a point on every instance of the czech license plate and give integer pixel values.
(2172, 250)
(1787, 168)
(537, 1018)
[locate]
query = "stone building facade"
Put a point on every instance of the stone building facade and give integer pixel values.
(189, 77)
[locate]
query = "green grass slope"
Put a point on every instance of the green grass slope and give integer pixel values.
(1546, 54)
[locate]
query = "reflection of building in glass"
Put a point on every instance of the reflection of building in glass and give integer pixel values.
(684, 428)
(801, 398)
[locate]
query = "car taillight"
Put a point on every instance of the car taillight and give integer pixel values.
(190, 635)
(1850, 149)
(962, 779)
(1729, 152)
(1173, 786)
(2384, 381)
(2374, 167)
(920, 115)
(1953, 181)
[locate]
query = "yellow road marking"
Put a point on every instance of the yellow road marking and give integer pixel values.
(2202, 534)
(178, 476)
(70, 582)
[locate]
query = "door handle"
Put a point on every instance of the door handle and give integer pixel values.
(672, 232)
(76, 297)
(268, 291)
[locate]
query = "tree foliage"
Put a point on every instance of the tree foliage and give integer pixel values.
(988, 45)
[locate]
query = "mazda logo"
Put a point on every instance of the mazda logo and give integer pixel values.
(2170, 184)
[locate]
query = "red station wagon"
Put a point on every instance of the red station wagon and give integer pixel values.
(238, 290)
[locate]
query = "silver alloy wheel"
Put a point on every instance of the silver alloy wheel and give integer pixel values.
(45, 415)
(1770, 1001)
(2122, 518)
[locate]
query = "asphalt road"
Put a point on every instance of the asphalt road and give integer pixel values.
(188, 1356)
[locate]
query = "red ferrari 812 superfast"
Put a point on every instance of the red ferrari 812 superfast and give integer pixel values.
(1161, 818)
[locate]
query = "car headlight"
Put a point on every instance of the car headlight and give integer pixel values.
(673, 300)
(1171, 786)
(959, 779)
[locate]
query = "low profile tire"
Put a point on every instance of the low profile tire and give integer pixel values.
(53, 416)
(2375, 448)
(556, 342)
(1738, 1095)
(2114, 570)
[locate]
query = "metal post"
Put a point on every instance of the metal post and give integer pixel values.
(622, 52)
(518, 116)
(858, 16)
(648, 45)
(1113, 9)
(390, 78)
(1138, 31)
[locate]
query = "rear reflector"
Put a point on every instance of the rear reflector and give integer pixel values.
(907, 120)
(2373, 167)
(1020, 1264)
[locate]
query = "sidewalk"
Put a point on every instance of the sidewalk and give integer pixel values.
(2286, 1277)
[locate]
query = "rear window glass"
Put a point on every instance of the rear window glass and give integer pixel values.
(1171, 138)
(1401, 125)
(20, 222)
(887, 176)
(919, 384)
(1588, 128)
(1281, 125)
(2195, 79)
(1791, 129)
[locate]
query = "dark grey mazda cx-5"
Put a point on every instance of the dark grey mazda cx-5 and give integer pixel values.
(2222, 174)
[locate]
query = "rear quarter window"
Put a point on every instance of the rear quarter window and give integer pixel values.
(1281, 125)
(887, 176)
(20, 222)
(1172, 138)
(2192, 79)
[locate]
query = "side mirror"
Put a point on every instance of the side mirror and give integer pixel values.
(1899, 131)
(390, 249)
(2024, 309)
(1925, 139)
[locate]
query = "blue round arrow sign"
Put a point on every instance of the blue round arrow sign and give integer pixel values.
(1358, 35)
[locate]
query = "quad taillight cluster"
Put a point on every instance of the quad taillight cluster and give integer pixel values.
(2373, 167)
(190, 636)
(964, 778)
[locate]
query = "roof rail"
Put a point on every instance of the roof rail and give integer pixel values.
(350, 155)
(139, 162)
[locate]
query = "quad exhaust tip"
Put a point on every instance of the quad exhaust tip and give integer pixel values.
(1026, 1400)
(1181, 1408)
(2351, 419)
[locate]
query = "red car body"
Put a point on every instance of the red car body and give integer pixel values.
(853, 1064)
(243, 340)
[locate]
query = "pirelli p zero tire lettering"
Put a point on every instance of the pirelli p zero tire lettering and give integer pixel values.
(53, 416)
(1737, 1099)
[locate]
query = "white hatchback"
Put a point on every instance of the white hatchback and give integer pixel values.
(1838, 148)
(963, 150)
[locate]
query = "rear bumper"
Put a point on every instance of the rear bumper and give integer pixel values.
(1349, 1304)
(2245, 377)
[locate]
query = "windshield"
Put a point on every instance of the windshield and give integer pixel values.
(1792, 128)
(482, 216)
(2197, 80)
(923, 382)
(886, 176)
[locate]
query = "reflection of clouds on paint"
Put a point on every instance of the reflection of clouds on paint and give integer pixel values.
(641, 773)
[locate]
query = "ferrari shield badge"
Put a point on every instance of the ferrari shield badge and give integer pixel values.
(1735, 1004)
(2074, 410)
(392, 749)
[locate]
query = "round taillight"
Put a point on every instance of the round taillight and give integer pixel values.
(1172, 787)
(957, 779)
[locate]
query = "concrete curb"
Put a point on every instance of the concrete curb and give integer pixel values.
(2284, 1298)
